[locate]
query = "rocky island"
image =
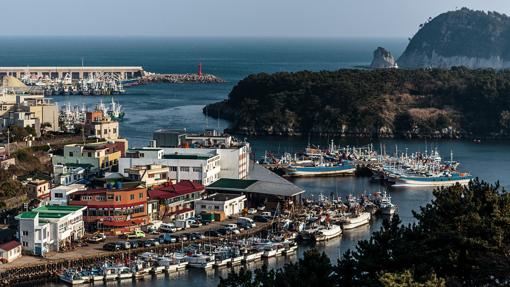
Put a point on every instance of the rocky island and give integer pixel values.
(474, 39)
(383, 59)
(423, 103)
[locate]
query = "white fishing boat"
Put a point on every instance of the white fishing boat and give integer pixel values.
(201, 261)
(253, 256)
(221, 261)
(110, 274)
(328, 232)
(72, 278)
(444, 179)
(386, 206)
(236, 260)
(124, 273)
(355, 220)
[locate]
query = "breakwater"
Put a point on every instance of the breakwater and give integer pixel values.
(180, 79)
(49, 269)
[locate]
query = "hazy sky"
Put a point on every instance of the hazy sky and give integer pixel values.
(322, 18)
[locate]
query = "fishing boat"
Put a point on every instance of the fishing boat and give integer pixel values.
(355, 220)
(386, 207)
(201, 261)
(115, 111)
(110, 273)
(252, 256)
(72, 277)
(320, 170)
(124, 273)
(221, 260)
(325, 233)
(291, 249)
(442, 179)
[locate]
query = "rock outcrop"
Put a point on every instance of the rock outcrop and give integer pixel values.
(383, 59)
(474, 39)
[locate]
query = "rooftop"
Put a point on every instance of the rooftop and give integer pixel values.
(187, 156)
(50, 211)
(223, 197)
(259, 180)
(10, 245)
(173, 190)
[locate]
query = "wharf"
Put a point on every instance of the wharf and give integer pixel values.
(16, 274)
(180, 79)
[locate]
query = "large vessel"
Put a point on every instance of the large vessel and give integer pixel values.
(443, 179)
(115, 111)
(356, 220)
(327, 232)
(386, 206)
(320, 170)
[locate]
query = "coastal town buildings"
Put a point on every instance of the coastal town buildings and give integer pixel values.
(176, 200)
(153, 174)
(99, 125)
(66, 174)
(38, 188)
(60, 195)
(118, 208)
(102, 156)
(200, 166)
(5, 159)
(221, 204)
(10, 251)
(50, 228)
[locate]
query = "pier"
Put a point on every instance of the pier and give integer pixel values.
(75, 72)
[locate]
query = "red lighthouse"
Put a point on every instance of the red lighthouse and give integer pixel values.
(200, 69)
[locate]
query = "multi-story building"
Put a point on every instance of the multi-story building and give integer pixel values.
(67, 174)
(60, 195)
(38, 188)
(153, 174)
(116, 209)
(102, 156)
(50, 228)
(99, 125)
(176, 201)
(200, 166)
(223, 204)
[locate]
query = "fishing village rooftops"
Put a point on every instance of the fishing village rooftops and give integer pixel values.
(207, 139)
(171, 190)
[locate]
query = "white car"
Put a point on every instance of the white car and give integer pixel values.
(252, 211)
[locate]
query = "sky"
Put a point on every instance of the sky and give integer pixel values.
(227, 18)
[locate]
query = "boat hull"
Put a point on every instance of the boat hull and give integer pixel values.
(320, 171)
(409, 182)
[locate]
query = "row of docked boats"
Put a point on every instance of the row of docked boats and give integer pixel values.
(194, 256)
(327, 219)
(400, 169)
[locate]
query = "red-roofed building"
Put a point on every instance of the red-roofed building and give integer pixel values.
(10, 251)
(176, 200)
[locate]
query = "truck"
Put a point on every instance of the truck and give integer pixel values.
(135, 234)
(183, 224)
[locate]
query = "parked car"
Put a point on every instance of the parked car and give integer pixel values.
(246, 222)
(230, 226)
(167, 238)
(195, 223)
(134, 243)
(224, 231)
(252, 211)
(260, 218)
(124, 245)
(212, 233)
(111, 246)
(167, 227)
(96, 238)
(198, 235)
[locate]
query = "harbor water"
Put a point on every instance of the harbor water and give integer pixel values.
(180, 106)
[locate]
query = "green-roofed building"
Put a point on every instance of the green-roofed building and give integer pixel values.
(50, 227)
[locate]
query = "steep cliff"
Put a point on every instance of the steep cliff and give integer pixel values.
(474, 39)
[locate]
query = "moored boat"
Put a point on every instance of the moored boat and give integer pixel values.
(327, 232)
(355, 220)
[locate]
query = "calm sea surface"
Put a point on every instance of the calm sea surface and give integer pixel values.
(180, 106)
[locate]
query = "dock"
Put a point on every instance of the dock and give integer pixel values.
(75, 72)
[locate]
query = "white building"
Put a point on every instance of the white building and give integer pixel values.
(10, 251)
(201, 166)
(59, 195)
(50, 228)
(229, 204)
(66, 174)
(153, 174)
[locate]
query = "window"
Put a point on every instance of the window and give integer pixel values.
(197, 169)
(105, 131)
(59, 195)
(25, 244)
(71, 154)
(202, 206)
(173, 168)
(90, 154)
(131, 196)
(114, 130)
(216, 207)
(25, 233)
(184, 168)
(140, 195)
(110, 196)
(118, 198)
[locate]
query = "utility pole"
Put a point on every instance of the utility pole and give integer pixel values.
(8, 142)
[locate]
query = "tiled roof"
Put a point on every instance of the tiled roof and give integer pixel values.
(172, 190)
(10, 245)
